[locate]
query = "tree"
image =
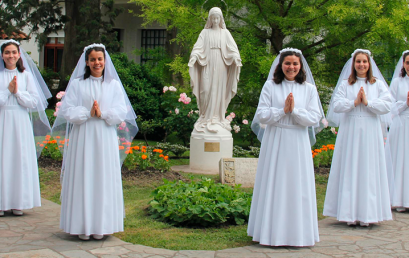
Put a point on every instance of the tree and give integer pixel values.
(327, 31)
(84, 23)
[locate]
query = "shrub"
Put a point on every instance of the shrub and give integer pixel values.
(51, 148)
(239, 151)
(202, 203)
(255, 151)
(177, 149)
(144, 157)
(322, 157)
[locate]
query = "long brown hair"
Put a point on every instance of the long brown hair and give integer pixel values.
(403, 71)
(19, 64)
(279, 74)
(369, 74)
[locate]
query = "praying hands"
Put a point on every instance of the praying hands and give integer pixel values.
(361, 98)
(289, 104)
(13, 85)
(95, 111)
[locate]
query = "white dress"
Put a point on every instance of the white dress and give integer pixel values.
(358, 188)
(19, 183)
(283, 208)
(398, 138)
(91, 196)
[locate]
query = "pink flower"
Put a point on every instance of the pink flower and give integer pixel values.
(58, 104)
(232, 115)
(123, 124)
(120, 128)
(60, 94)
(122, 139)
(187, 100)
(229, 118)
(126, 129)
(245, 122)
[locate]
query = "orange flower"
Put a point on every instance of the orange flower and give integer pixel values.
(166, 158)
(160, 151)
(121, 147)
(56, 148)
(38, 143)
(128, 152)
(161, 156)
(143, 150)
(58, 137)
(62, 142)
(60, 146)
(41, 145)
(45, 142)
(136, 148)
(143, 147)
(144, 156)
(318, 151)
(46, 147)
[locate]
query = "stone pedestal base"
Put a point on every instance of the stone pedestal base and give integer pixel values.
(206, 149)
(235, 171)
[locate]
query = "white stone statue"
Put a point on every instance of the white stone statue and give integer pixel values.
(214, 69)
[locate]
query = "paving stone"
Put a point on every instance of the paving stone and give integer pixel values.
(43, 253)
(114, 250)
(196, 254)
(77, 254)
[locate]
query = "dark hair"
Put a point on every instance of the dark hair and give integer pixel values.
(87, 69)
(279, 74)
(369, 75)
(403, 71)
(19, 64)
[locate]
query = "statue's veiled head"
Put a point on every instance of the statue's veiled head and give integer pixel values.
(213, 12)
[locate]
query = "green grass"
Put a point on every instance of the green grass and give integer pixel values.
(143, 230)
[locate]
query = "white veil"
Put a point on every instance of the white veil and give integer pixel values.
(334, 119)
(126, 130)
(39, 120)
(259, 128)
(399, 66)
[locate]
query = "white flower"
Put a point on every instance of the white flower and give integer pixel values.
(176, 111)
(325, 122)
(236, 128)
(232, 115)
(171, 88)
(165, 89)
(333, 130)
(197, 111)
(229, 118)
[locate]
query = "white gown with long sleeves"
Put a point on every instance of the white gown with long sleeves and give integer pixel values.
(283, 208)
(19, 183)
(91, 196)
(358, 188)
(398, 138)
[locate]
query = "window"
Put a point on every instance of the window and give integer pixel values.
(53, 50)
(152, 39)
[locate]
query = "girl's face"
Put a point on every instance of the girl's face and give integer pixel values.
(96, 63)
(361, 65)
(291, 67)
(10, 56)
(215, 18)
(406, 64)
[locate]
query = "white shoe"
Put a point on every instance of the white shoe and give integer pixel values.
(98, 237)
(400, 209)
(1, 213)
(17, 212)
(363, 224)
(353, 223)
(83, 237)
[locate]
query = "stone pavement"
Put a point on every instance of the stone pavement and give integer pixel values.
(37, 234)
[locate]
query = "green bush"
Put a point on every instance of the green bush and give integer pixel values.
(202, 203)
(239, 152)
(177, 149)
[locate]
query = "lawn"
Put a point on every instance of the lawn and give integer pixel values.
(141, 229)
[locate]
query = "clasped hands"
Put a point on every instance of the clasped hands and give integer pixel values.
(95, 111)
(289, 104)
(361, 98)
(13, 85)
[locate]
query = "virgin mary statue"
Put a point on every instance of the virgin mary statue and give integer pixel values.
(214, 69)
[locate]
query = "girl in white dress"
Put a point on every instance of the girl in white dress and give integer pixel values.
(94, 105)
(398, 136)
(22, 116)
(358, 185)
(283, 209)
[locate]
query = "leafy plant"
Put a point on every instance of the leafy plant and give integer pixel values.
(177, 149)
(322, 157)
(239, 151)
(203, 203)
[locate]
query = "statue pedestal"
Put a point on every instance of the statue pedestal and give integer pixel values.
(207, 148)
